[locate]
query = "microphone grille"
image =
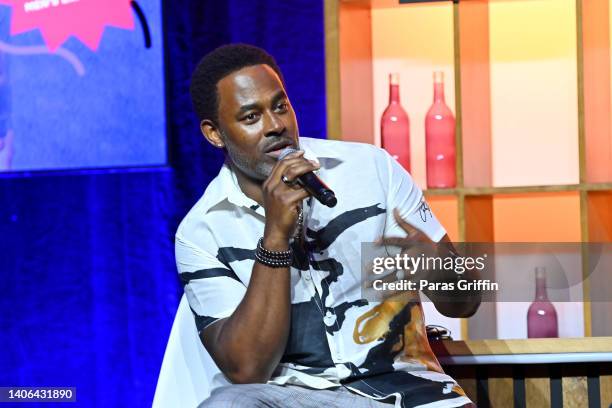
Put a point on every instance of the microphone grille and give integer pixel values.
(286, 152)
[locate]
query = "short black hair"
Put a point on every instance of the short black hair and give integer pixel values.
(216, 65)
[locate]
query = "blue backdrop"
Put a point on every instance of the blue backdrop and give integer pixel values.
(64, 117)
(89, 287)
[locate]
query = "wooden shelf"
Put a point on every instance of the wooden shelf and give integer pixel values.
(476, 191)
(515, 124)
(523, 346)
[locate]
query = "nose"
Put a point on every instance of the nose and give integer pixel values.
(273, 125)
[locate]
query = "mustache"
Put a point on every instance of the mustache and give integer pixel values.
(279, 143)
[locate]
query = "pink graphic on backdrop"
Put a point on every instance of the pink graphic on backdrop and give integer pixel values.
(57, 20)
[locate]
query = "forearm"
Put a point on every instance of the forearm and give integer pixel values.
(441, 285)
(254, 338)
(455, 302)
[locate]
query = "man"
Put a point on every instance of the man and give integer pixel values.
(273, 276)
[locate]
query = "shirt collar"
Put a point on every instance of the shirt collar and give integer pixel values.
(230, 189)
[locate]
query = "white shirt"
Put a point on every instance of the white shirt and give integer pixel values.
(215, 245)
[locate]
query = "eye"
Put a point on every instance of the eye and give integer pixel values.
(282, 106)
(251, 117)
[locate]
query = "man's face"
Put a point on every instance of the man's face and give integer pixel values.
(255, 119)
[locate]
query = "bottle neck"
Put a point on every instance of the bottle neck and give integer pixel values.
(438, 91)
(541, 288)
(393, 93)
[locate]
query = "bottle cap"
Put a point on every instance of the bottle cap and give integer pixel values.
(394, 78)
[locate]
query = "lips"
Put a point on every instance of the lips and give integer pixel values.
(277, 147)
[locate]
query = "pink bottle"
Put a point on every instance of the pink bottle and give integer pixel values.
(440, 139)
(541, 316)
(395, 126)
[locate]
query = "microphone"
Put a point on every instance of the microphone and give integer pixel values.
(313, 184)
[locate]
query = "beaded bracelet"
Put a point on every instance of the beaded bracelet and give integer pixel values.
(273, 259)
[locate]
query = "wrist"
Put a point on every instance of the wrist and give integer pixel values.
(275, 241)
(273, 258)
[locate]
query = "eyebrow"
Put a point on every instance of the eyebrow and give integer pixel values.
(245, 108)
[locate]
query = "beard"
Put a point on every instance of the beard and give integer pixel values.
(258, 169)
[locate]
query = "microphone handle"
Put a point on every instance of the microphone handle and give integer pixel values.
(319, 190)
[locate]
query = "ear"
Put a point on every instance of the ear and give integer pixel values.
(212, 133)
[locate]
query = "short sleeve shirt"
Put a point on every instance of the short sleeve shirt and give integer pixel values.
(337, 337)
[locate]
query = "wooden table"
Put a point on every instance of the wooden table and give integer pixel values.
(534, 373)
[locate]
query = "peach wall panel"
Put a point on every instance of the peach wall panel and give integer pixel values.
(534, 102)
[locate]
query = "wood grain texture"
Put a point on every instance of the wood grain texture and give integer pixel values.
(557, 188)
(537, 386)
(466, 377)
(458, 95)
(605, 390)
(537, 391)
(523, 346)
(501, 386)
(584, 260)
(332, 69)
(575, 392)
(580, 35)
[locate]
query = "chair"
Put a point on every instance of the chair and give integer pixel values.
(188, 374)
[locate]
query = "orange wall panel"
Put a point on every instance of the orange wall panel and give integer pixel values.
(541, 217)
(355, 39)
(445, 209)
(597, 87)
(475, 93)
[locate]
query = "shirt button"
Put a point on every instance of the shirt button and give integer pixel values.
(306, 276)
(329, 319)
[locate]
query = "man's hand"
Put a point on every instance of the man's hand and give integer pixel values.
(414, 240)
(282, 199)
(417, 243)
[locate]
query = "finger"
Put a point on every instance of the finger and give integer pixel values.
(281, 166)
(370, 275)
(387, 277)
(403, 224)
(288, 173)
(297, 153)
(295, 156)
(295, 196)
(413, 232)
(294, 170)
(396, 241)
(412, 239)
